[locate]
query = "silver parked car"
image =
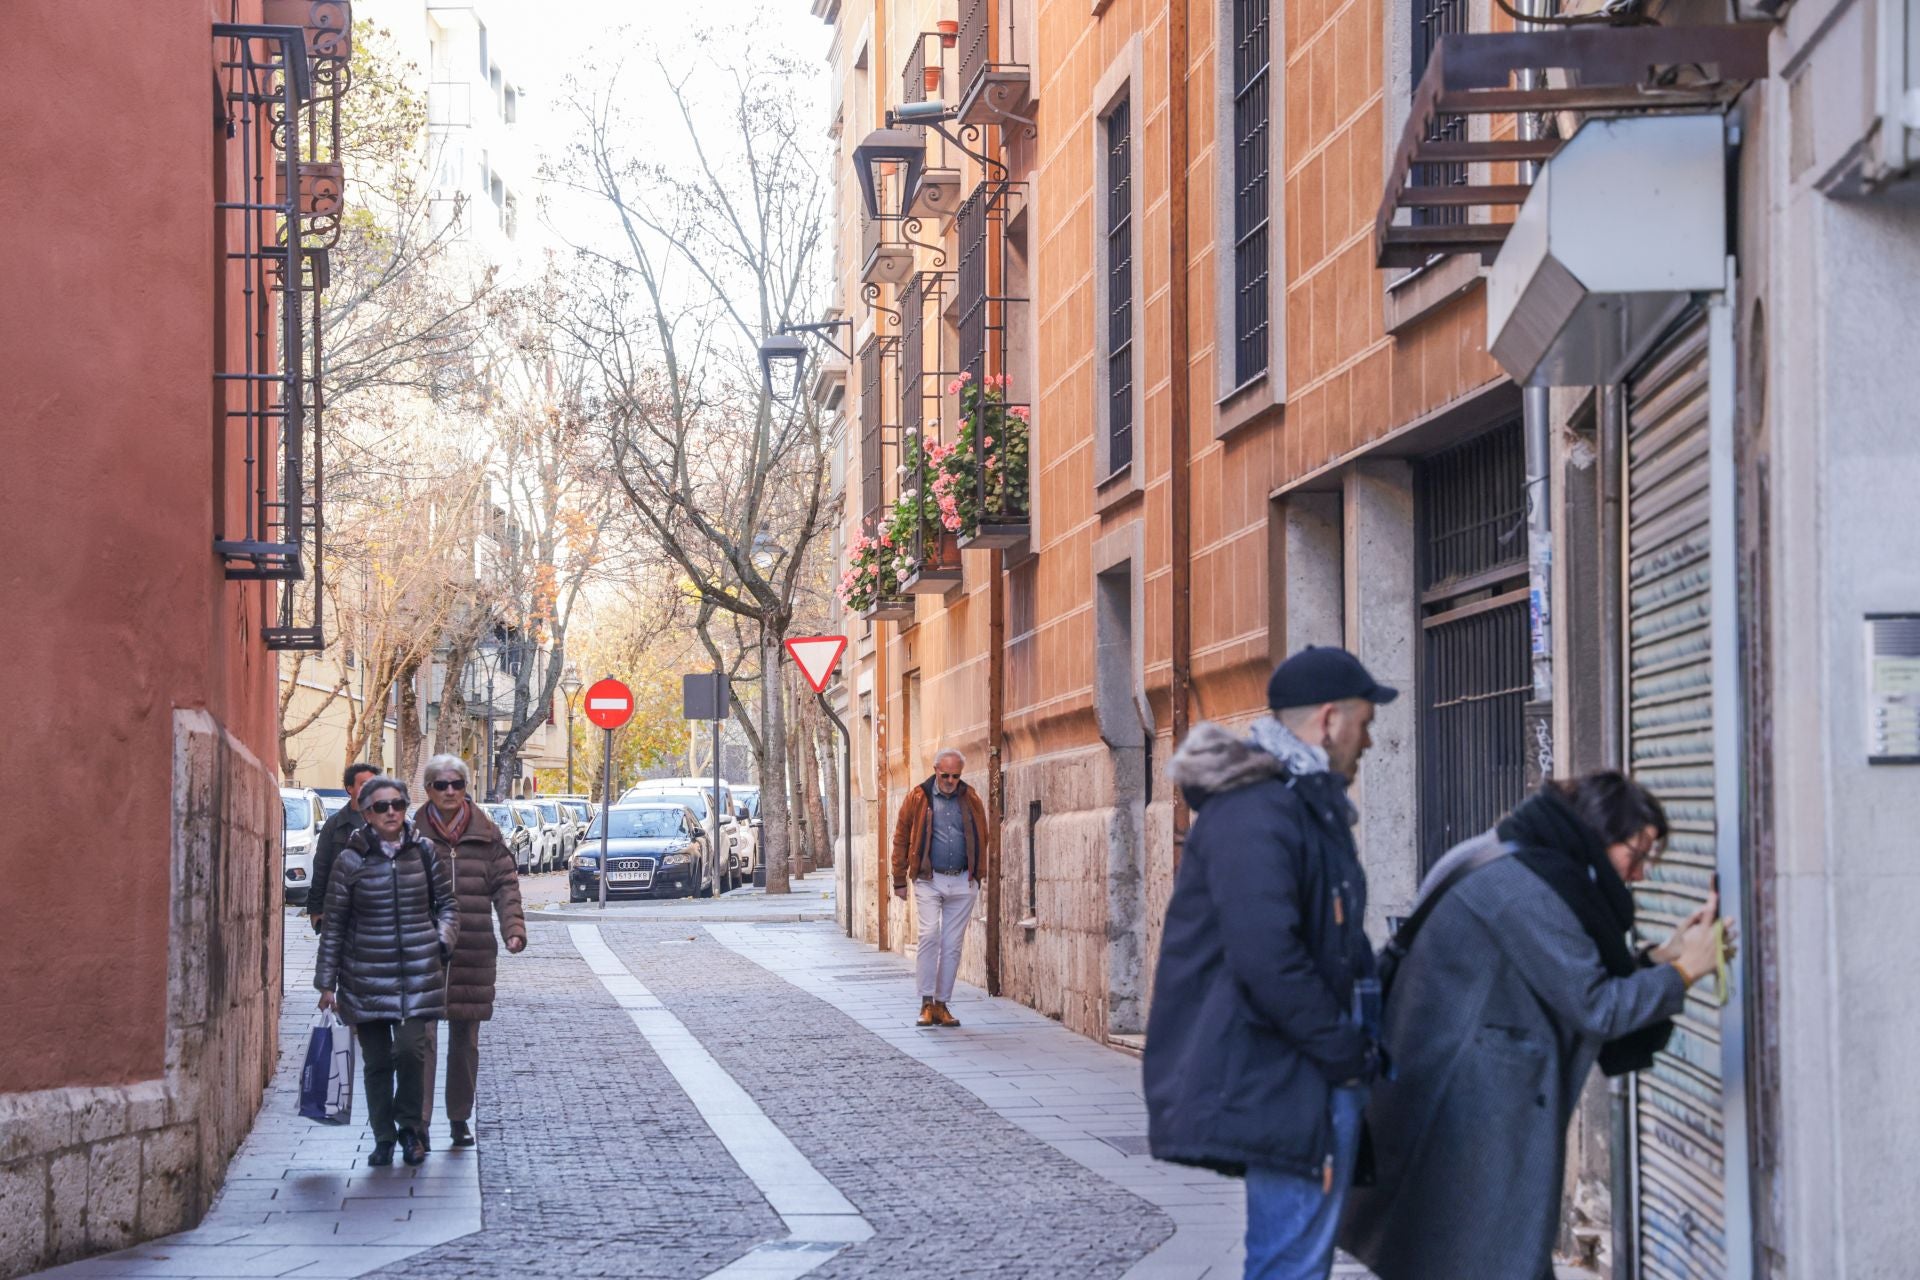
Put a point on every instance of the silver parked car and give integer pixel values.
(302, 816)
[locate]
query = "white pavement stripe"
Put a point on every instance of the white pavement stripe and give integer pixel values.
(1076, 1095)
(820, 1221)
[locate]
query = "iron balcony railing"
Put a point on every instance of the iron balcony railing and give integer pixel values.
(994, 84)
(992, 414)
(926, 369)
(278, 200)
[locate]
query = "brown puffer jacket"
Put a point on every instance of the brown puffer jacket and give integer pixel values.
(485, 881)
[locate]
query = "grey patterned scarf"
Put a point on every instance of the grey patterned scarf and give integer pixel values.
(1301, 758)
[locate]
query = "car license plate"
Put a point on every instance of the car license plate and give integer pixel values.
(626, 877)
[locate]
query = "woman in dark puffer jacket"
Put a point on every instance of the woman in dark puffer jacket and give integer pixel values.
(391, 924)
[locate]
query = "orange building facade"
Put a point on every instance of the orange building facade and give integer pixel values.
(1244, 438)
(159, 402)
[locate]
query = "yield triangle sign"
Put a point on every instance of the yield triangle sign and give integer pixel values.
(817, 656)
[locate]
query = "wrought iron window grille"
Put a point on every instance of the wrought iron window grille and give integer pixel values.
(986, 312)
(1252, 196)
(879, 440)
(1119, 265)
(278, 201)
(995, 85)
(922, 385)
(1471, 517)
(1433, 19)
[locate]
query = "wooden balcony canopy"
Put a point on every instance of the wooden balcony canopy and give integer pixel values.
(1600, 70)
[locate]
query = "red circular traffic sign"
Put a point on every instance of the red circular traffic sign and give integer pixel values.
(609, 703)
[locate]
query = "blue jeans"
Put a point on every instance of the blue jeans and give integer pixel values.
(1291, 1220)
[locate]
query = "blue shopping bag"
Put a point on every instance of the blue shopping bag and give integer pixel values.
(326, 1081)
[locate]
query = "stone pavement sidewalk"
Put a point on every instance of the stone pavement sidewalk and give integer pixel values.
(726, 1089)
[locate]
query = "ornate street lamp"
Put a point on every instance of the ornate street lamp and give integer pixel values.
(882, 149)
(783, 365)
(570, 683)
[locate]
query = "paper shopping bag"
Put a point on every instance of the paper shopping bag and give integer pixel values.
(326, 1081)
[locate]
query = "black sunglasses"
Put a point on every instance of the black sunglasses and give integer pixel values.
(946, 775)
(387, 806)
(448, 784)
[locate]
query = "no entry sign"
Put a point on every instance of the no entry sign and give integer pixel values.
(816, 657)
(609, 703)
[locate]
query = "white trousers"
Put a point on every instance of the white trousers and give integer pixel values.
(944, 903)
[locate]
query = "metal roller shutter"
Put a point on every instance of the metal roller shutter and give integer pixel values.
(1679, 1138)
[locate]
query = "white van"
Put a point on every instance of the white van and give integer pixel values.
(302, 816)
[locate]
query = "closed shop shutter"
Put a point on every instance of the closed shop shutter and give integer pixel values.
(1679, 1139)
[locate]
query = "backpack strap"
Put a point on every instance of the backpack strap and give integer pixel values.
(1473, 855)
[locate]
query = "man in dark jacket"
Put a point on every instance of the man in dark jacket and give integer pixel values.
(333, 836)
(939, 844)
(1257, 1061)
(392, 924)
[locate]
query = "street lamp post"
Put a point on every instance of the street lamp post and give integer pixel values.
(570, 685)
(489, 652)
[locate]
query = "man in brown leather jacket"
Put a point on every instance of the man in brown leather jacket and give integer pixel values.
(939, 844)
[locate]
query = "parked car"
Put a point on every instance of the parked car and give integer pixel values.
(723, 831)
(654, 850)
(519, 839)
(302, 816)
(746, 809)
(581, 811)
(565, 830)
(332, 799)
(545, 839)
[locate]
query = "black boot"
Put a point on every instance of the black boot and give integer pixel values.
(462, 1135)
(382, 1154)
(413, 1149)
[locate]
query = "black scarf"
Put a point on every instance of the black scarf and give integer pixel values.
(1557, 845)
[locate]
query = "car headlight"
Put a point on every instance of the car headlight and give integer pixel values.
(585, 861)
(675, 860)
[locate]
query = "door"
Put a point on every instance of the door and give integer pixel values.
(1679, 1139)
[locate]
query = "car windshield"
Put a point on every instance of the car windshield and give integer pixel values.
(333, 804)
(698, 801)
(552, 812)
(501, 815)
(752, 802)
(529, 816)
(579, 811)
(639, 824)
(297, 815)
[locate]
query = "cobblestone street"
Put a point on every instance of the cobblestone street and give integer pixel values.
(819, 1133)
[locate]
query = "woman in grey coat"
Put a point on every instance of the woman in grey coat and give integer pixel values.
(391, 924)
(1520, 978)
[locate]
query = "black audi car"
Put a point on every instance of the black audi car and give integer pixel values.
(653, 851)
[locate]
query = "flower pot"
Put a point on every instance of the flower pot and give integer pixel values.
(931, 77)
(939, 572)
(949, 29)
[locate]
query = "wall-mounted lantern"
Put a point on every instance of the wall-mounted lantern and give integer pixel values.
(884, 148)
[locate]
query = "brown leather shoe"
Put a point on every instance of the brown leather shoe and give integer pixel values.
(926, 1013)
(943, 1016)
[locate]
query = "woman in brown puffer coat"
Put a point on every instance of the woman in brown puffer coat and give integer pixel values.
(485, 882)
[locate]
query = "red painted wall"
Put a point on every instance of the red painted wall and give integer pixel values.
(113, 607)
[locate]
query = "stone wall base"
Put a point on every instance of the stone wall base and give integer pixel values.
(84, 1170)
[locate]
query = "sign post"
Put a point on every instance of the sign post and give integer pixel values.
(609, 705)
(706, 695)
(817, 656)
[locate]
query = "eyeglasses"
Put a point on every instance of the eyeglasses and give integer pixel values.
(448, 784)
(947, 777)
(387, 806)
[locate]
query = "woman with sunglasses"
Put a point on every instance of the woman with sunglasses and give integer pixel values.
(391, 924)
(1517, 978)
(485, 883)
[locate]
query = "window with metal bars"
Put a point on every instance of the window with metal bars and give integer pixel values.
(1252, 255)
(1119, 235)
(1433, 19)
(1471, 508)
(873, 492)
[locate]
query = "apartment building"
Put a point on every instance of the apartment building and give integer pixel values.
(1557, 373)
(164, 249)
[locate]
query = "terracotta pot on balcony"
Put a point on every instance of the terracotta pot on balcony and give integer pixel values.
(939, 572)
(949, 29)
(931, 75)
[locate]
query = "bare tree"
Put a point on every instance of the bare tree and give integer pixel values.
(705, 260)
